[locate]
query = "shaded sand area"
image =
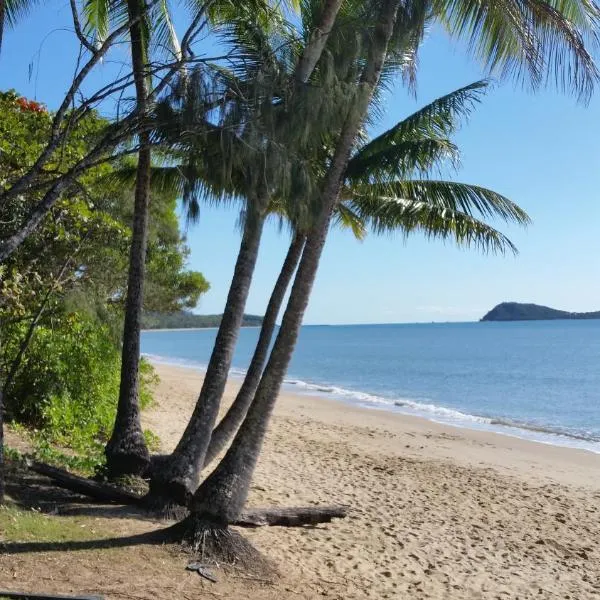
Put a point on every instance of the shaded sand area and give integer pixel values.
(437, 512)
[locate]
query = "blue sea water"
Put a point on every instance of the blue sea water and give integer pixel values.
(538, 380)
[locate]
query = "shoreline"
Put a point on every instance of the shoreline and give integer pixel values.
(435, 512)
(494, 425)
(470, 447)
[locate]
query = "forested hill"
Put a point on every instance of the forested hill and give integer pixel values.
(188, 320)
(515, 311)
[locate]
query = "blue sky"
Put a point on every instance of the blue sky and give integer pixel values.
(542, 151)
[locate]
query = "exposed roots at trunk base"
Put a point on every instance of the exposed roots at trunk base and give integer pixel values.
(164, 508)
(126, 455)
(167, 499)
(217, 545)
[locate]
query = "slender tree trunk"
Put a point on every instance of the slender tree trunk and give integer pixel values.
(2, 465)
(318, 38)
(175, 478)
(229, 424)
(126, 451)
(221, 497)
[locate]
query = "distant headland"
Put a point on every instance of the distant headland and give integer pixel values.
(515, 311)
(188, 320)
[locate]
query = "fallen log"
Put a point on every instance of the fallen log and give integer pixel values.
(297, 516)
(27, 596)
(81, 485)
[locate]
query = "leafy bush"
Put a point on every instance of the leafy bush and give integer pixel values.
(68, 385)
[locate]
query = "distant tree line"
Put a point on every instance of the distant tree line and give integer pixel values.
(188, 320)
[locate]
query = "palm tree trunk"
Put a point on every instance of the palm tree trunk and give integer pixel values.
(312, 53)
(175, 478)
(221, 497)
(126, 451)
(229, 424)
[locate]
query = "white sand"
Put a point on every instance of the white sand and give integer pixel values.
(437, 512)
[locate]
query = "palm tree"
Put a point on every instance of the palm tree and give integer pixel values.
(378, 195)
(416, 143)
(264, 167)
(126, 451)
(505, 39)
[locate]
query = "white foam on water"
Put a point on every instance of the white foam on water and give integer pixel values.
(418, 407)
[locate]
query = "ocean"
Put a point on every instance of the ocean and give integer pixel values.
(539, 380)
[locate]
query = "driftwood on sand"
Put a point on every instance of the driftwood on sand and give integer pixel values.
(296, 516)
(30, 596)
(88, 487)
(282, 517)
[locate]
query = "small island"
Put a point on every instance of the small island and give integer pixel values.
(188, 320)
(516, 311)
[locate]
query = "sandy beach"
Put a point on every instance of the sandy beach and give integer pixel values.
(436, 512)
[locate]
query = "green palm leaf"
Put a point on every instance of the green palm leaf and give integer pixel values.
(97, 17)
(347, 218)
(164, 34)
(532, 39)
(438, 119)
(472, 200)
(401, 159)
(438, 223)
(419, 141)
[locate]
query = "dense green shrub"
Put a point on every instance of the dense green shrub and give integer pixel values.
(68, 383)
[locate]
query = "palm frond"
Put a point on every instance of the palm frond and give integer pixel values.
(409, 31)
(347, 218)
(164, 35)
(439, 118)
(471, 200)
(97, 14)
(391, 215)
(419, 141)
(534, 40)
(401, 159)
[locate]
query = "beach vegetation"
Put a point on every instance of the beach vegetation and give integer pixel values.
(280, 127)
(62, 293)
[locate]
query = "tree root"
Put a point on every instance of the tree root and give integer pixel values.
(215, 544)
(164, 508)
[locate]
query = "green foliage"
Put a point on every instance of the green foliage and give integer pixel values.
(152, 440)
(13, 456)
(187, 320)
(67, 386)
(69, 279)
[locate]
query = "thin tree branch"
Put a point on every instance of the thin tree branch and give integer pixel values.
(55, 133)
(78, 31)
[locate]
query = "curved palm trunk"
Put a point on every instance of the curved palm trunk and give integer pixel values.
(221, 497)
(229, 424)
(176, 478)
(126, 451)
